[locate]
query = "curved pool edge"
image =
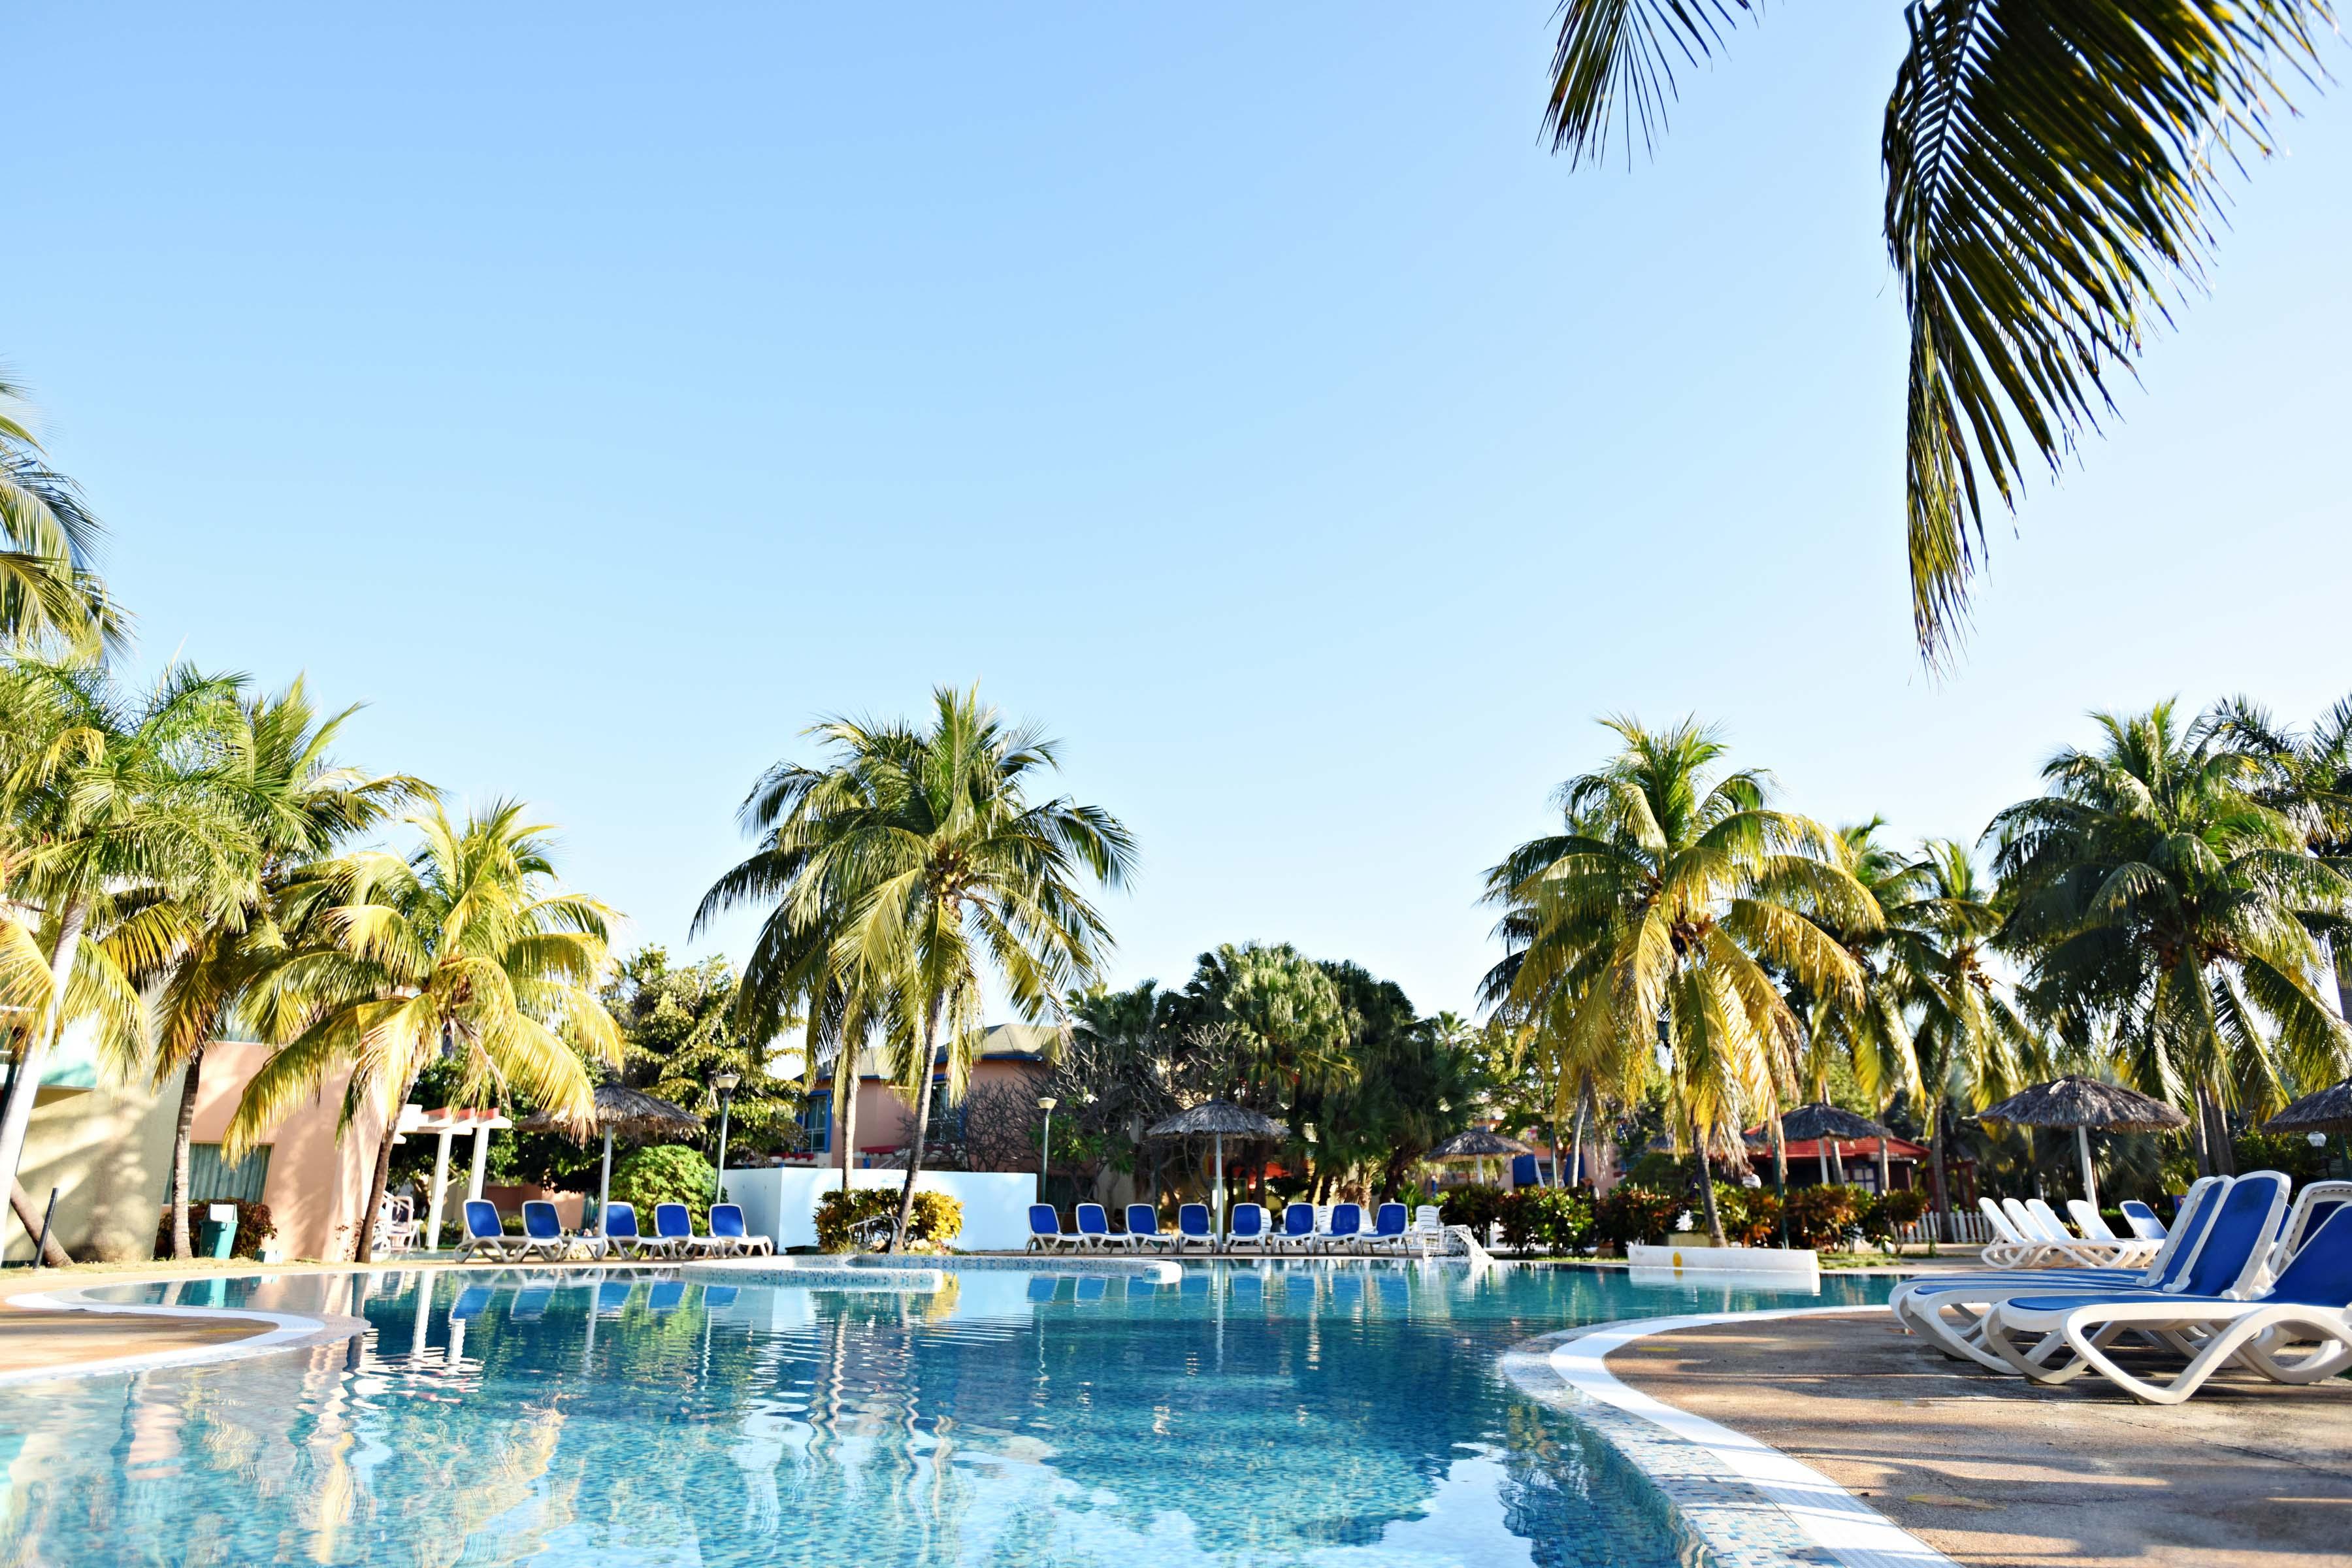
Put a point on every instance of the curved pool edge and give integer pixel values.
(1740, 1503)
(283, 1331)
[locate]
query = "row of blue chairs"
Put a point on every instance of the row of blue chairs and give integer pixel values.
(1303, 1228)
(544, 1234)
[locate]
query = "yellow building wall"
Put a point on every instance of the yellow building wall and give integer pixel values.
(108, 1151)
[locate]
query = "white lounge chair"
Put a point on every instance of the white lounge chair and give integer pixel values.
(2143, 1220)
(2129, 1251)
(2008, 1248)
(2310, 1303)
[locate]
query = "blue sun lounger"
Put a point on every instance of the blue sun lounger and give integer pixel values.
(1143, 1227)
(1347, 1227)
(1094, 1226)
(729, 1238)
(1297, 1230)
(1046, 1231)
(544, 1229)
(486, 1234)
(1192, 1228)
(1247, 1227)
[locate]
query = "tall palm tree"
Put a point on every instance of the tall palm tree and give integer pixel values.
(462, 949)
(1659, 907)
(914, 858)
(2054, 169)
(1293, 1021)
(117, 812)
(300, 807)
(1872, 1030)
(2308, 774)
(2162, 911)
(1971, 1043)
(48, 592)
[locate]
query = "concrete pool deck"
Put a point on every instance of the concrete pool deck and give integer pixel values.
(1990, 1470)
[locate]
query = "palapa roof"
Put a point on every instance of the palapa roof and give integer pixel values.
(1220, 1118)
(1477, 1144)
(2074, 1101)
(627, 1113)
(1809, 1123)
(2329, 1110)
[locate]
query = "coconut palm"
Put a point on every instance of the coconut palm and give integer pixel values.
(1872, 1031)
(1971, 1043)
(48, 592)
(1295, 1025)
(1659, 907)
(462, 949)
(2308, 774)
(914, 858)
(119, 822)
(300, 806)
(2162, 910)
(2052, 172)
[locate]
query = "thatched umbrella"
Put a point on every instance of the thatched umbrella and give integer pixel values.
(1218, 1119)
(1477, 1144)
(2329, 1110)
(631, 1113)
(2083, 1103)
(1824, 1124)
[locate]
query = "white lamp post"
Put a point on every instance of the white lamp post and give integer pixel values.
(1045, 1146)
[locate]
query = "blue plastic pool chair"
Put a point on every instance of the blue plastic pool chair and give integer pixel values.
(543, 1228)
(1247, 1227)
(728, 1235)
(486, 1235)
(1297, 1230)
(1094, 1226)
(1046, 1229)
(1388, 1228)
(1347, 1227)
(2142, 1220)
(1193, 1227)
(1143, 1227)
(620, 1233)
(674, 1231)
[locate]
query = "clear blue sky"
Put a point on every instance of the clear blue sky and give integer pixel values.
(602, 394)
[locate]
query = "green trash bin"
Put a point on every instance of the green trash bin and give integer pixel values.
(219, 1235)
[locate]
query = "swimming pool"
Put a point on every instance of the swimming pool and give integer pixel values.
(1341, 1415)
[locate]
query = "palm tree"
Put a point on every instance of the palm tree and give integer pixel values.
(1658, 908)
(1872, 1030)
(1970, 1042)
(2052, 171)
(462, 949)
(300, 807)
(2307, 775)
(909, 861)
(2162, 911)
(48, 592)
(117, 813)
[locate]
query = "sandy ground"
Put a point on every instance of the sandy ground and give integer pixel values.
(1989, 1470)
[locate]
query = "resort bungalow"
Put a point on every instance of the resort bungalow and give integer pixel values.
(1010, 1053)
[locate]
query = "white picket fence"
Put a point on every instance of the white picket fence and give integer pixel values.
(1961, 1228)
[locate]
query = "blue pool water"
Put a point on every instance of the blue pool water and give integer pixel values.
(1342, 1416)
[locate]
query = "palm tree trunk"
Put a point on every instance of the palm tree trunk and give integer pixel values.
(847, 1099)
(1781, 1171)
(1576, 1143)
(1707, 1189)
(180, 1133)
(1944, 1228)
(365, 1251)
(2217, 1135)
(922, 1131)
(18, 1119)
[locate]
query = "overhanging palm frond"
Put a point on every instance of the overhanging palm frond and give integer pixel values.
(1614, 66)
(2052, 171)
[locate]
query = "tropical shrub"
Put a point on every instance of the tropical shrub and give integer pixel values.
(1759, 1215)
(1558, 1217)
(1890, 1212)
(937, 1221)
(2289, 1152)
(663, 1174)
(1475, 1206)
(1821, 1217)
(1630, 1214)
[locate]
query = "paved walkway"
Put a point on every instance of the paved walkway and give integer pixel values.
(1991, 1470)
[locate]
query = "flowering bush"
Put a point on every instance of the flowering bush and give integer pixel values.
(1477, 1207)
(1630, 1214)
(1821, 1217)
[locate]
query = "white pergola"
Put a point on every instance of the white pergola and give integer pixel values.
(445, 1124)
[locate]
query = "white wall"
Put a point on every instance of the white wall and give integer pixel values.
(780, 1202)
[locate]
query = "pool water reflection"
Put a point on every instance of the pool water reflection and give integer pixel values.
(1346, 1416)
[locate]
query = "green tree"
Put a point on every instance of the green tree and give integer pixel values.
(681, 1027)
(117, 813)
(2161, 911)
(2054, 170)
(300, 806)
(2307, 775)
(914, 857)
(463, 949)
(1659, 907)
(49, 596)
